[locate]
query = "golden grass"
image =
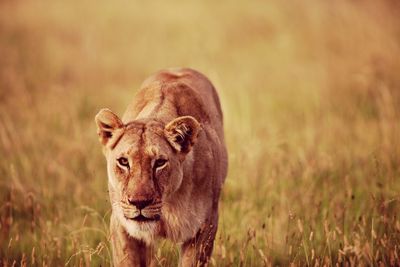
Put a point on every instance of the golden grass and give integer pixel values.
(310, 91)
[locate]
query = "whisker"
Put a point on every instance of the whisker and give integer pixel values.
(152, 208)
(155, 206)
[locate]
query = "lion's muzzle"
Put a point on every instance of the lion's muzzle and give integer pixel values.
(141, 211)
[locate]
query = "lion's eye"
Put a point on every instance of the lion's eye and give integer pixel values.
(160, 163)
(122, 161)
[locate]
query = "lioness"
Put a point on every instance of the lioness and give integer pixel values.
(166, 163)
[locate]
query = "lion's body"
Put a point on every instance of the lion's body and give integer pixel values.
(196, 169)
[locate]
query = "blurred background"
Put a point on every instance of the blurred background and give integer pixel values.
(311, 97)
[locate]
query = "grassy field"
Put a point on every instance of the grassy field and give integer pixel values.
(311, 97)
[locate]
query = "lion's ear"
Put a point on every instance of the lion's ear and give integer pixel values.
(182, 133)
(109, 127)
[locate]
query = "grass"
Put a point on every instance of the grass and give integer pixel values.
(311, 97)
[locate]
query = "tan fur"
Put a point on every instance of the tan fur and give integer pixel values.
(175, 119)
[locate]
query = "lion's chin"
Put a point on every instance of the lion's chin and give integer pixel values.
(143, 229)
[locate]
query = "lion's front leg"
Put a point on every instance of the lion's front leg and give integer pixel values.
(197, 251)
(128, 251)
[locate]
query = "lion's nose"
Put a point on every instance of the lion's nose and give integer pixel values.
(140, 203)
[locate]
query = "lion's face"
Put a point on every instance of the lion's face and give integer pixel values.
(145, 166)
(144, 170)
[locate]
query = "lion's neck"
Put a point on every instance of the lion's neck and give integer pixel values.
(183, 213)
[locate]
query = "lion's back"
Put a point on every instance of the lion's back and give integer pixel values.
(177, 92)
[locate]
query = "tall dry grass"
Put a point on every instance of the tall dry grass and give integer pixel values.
(310, 92)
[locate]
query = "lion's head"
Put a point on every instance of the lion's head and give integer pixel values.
(145, 166)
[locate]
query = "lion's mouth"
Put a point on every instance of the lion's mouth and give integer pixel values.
(141, 218)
